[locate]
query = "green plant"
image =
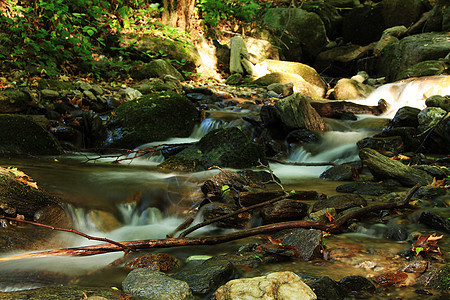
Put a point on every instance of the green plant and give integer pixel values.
(216, 11)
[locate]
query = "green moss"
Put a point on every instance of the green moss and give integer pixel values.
(228, 148)
(154, 117)
(25, 199)
(21, 135)
(56, 85)
(441, 280)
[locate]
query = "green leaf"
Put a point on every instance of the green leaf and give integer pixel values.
(292, 192)
(418, 250)
(225, 188)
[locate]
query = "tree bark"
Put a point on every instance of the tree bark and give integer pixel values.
(179, 13)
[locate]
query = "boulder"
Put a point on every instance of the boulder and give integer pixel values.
(303, 34)
(368, 187)
(162, 262)
(307, 243)
(435, 221)
(363, 25)
(225, 147)
(148, 284)
(20, 196)
(350, 89)
(284, 210)
(438, 101)
(21, 135)
(260, 49)
(216, 209)
(411, 50)
(177, 50)
(342, 60)
(154, 117)
(356, 285)
(401, 12)
(424, 68)
(301, 86)
(13, 101)
(326, 288)
(295, 112)
(344, 172)
(340, 202)
(383, 168)
(390, 36)
(306, 72)
(274, 286)
(406, 116)
(157, 68)
(382, 143)
(434, 117)
(329, 15)
(438, 18)
(207, 276)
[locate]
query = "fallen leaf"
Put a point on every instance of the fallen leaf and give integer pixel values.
(436, 182)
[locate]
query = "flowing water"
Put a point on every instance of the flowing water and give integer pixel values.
(150, 204)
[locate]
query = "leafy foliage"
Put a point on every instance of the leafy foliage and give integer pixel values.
(56, 36)
(216, 11)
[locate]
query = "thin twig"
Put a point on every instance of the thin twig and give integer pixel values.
(89, 237)
(244, 209)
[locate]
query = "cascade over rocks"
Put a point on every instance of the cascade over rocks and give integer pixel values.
(154, 117)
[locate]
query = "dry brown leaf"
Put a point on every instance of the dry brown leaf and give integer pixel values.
(436, 182)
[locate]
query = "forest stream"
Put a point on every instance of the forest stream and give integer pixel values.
(151, 204)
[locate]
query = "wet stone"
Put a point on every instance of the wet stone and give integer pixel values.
(356, 284)
(49, 94)
(397, 232)
(339, 202)
(284, 210)
(434, 221)
(326, 288)
(206, 277)
(307, 242)
(339, 173)
(154, 261)
(148, 284)
(367, 188)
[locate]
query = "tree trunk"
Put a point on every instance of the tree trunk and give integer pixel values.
(179, 13)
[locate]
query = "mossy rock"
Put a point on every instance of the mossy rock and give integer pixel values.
(154, 117)
(225, 147)
(19, 198)
(20, 135)
(172, 49)
(66, 292)
(56, 85)
(13, 101)
(157, 68)
(424, 68)
(441, 280)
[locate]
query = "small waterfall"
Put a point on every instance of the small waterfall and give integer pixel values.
(206, 126)
(408, 92)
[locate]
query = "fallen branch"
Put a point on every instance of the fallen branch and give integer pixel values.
(244, 209)
(302, 164)
(365, 210)
(170, 242)
(89, 237)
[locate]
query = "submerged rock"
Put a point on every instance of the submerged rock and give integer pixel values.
(326, 288)
(154, 117)
(276, 286)
(150, 284)
(20, 135)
